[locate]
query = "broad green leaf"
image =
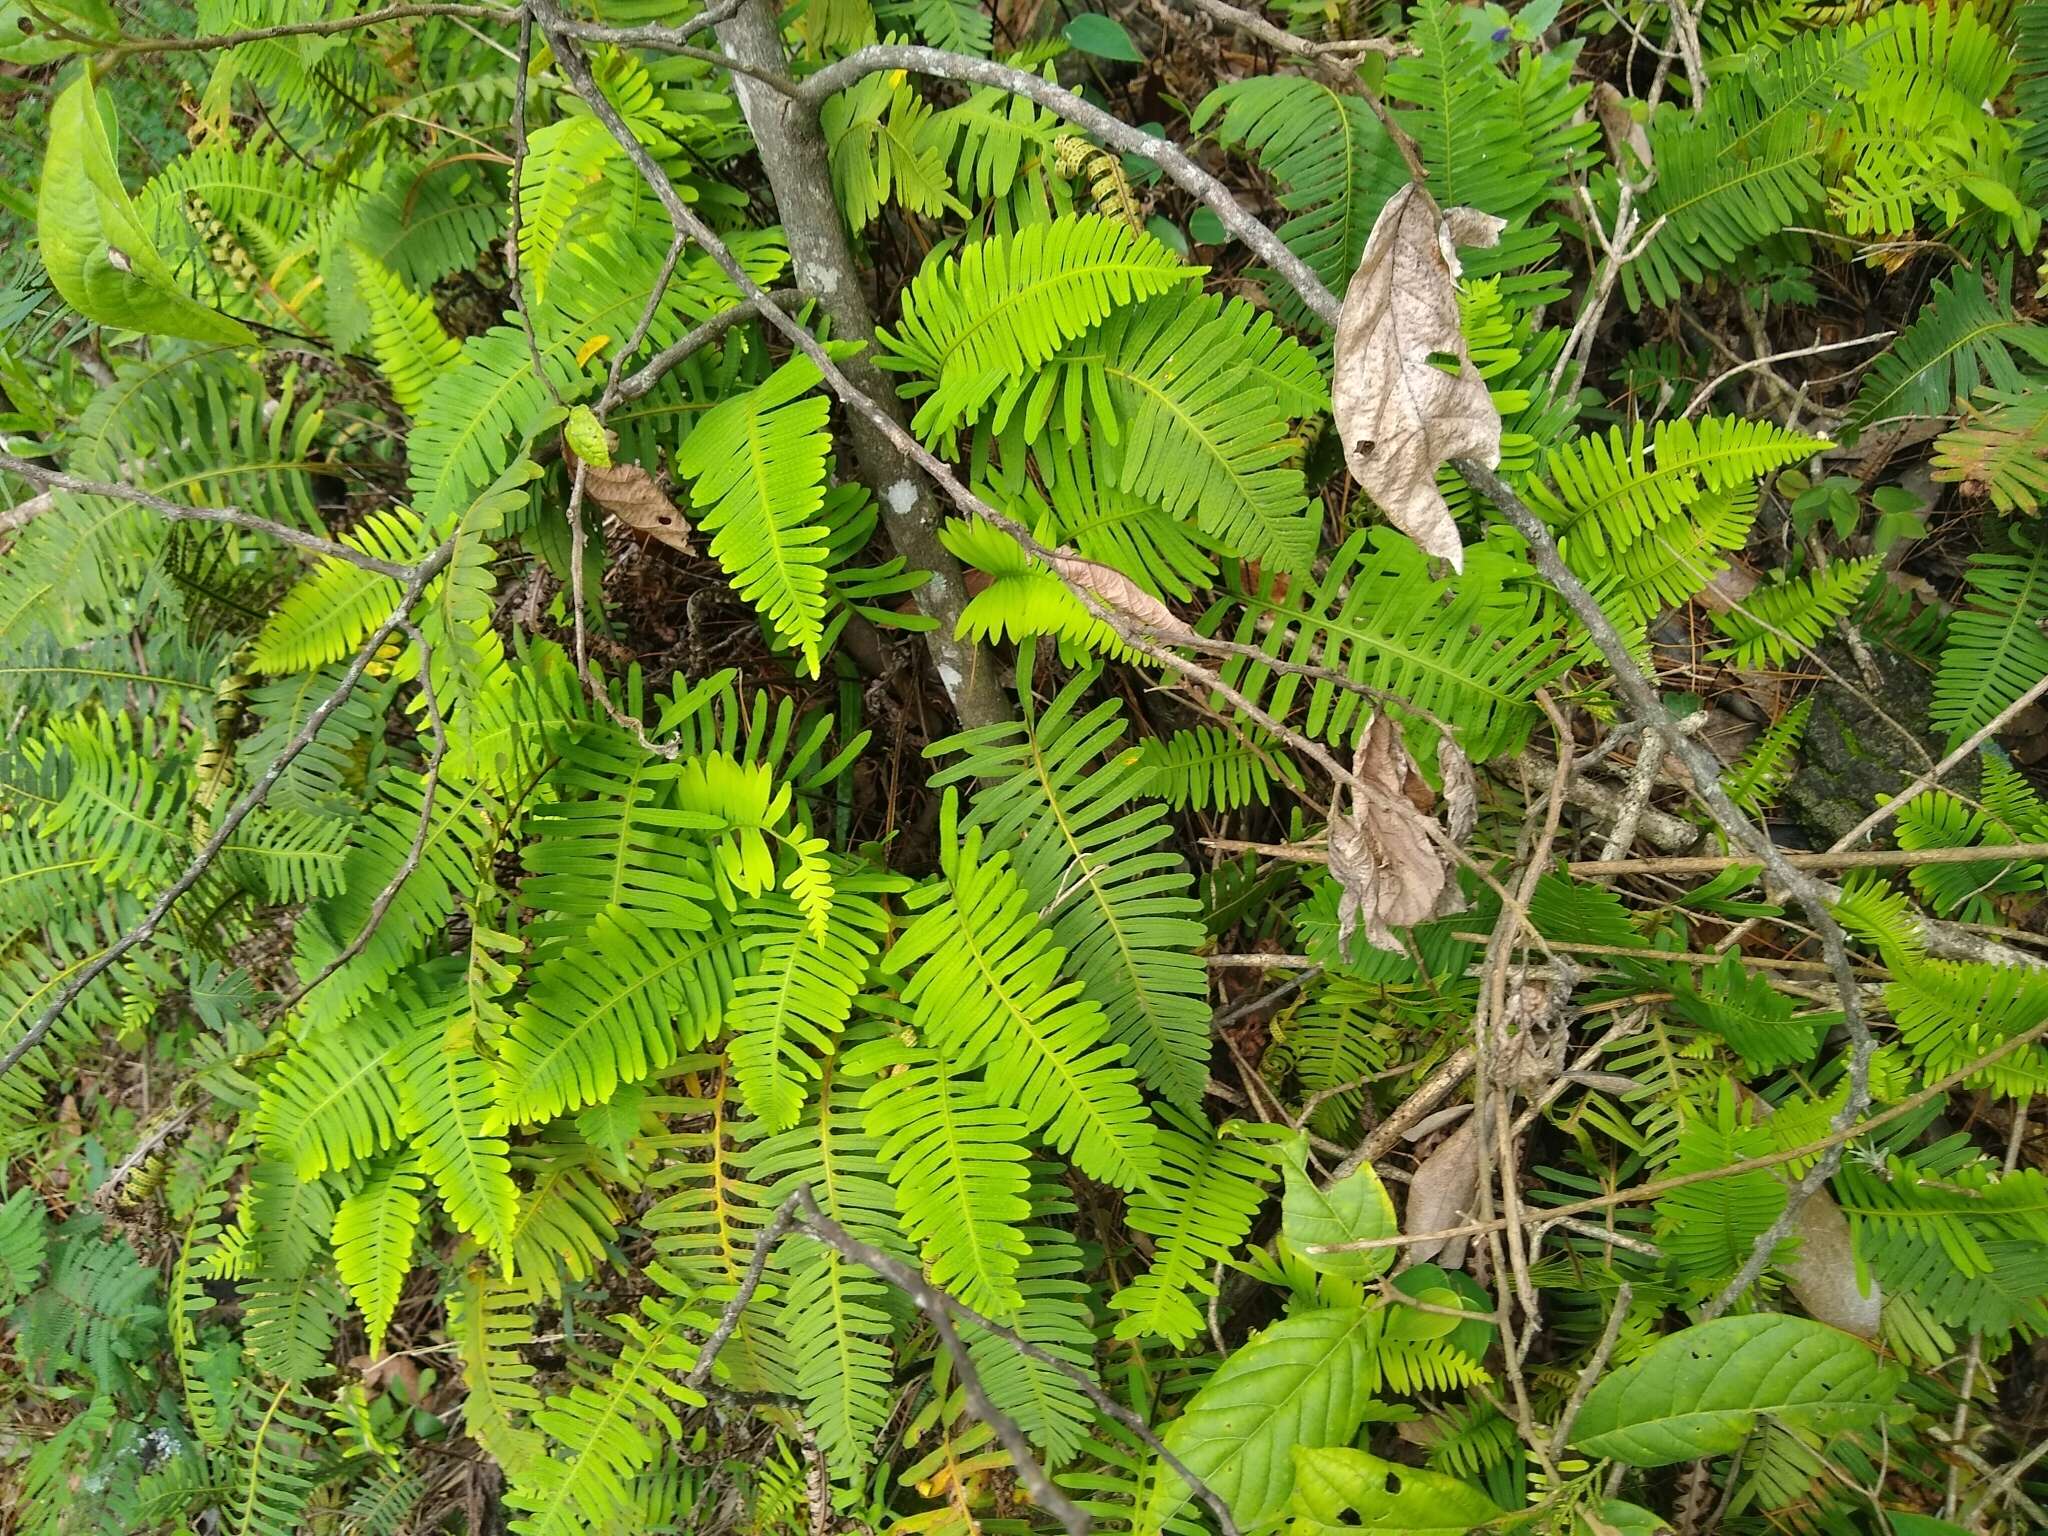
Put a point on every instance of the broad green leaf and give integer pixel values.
(1618, 1517)
(1356, 1207)
(585, 436)
(1345, 1490)
(100, 258)
(1296, 1383)
(1699, 1392)
(1103, 36)
(21, 42)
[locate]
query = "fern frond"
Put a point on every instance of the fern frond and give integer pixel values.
(327, 615)
(1206, 767)
(1951, 1013)
(1060, 793)
(955, 1157)
(2000, 449)
(798, 992)
(1470, 651)
(999, 309)
(758, 463)
(1961, 339)
(373, 1237)
(1197, 1211)
(1778, 622)
(490, 1323)
(412, 349)
(986, 989)
(450, 1104)
(613, 1007)
(1996, 648)
(609, 1427)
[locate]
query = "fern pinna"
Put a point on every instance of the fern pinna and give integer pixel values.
(526, 1006)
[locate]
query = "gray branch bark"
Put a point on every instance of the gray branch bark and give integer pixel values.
(793, 153)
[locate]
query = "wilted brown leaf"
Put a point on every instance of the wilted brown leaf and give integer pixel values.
(1402, 408)
(1441, 1195)
(1123, 596)
(1382, 853)
(636, 499)
(1622, 130)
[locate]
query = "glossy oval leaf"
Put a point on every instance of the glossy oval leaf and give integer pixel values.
(1345, 1490)
(1103, 36)
(1353, 1209)
(100, 258)
(1699, 1392)
(1296, 1383)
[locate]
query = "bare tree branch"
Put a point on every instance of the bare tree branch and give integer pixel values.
(178, 512)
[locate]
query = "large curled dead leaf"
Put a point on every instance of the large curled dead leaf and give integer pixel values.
(636, 499)
(1441, 1197)
(1122, 596)
(1403, 389)
(1383, 854)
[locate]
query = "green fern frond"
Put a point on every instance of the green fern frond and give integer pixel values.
(1206, 767)
(758, 463)
(327, 615)
(1213, 440)
(1001, 308)
(986, 989)
(1778, 622)
(1470, 651)
(1951, 1013)
(613, 1007)
(1059, 792)
(412, 349)
(1999, 449)
(798, 992)
(1327, 151)
(1608, 492)
(1961, 339)
(373, 1237)
(1996, 648)
(330, 1101)
(955, 1158)
(1197, 1211)
(490, 1322)
(887, 145)
(608, 1427)
(1764, 769)
(450, 1107)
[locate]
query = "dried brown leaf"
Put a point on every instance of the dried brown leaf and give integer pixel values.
(1441, 1195)
(1382, 854)
(1123, 597)
(1461, 790)
(1401, 411)
(636, 499)
(1622, 130)
(1823, 1274)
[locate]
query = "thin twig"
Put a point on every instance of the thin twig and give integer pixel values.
(1590, 1376)
(1869, 858)
(178, 512)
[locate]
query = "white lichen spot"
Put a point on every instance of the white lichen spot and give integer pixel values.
(825, 278)
(901, 497)
(951, 676)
